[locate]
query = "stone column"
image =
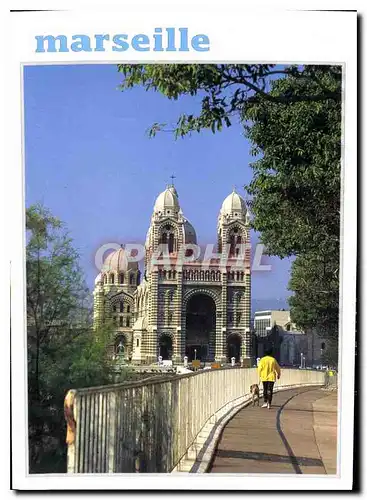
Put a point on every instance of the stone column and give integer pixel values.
(221, 329)
(179, 344)
(98, 306)
(246, 341)
(151, 347)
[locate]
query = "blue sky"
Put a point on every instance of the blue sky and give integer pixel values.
(90, 161)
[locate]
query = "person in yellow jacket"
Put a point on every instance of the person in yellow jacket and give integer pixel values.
(269, 372)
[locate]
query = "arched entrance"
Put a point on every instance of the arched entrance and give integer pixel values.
(165, 347)
(234, 347)
(200, 326)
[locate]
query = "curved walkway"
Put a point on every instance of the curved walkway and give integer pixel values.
(297, 435)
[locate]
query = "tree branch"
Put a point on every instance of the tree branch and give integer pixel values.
(280, 99)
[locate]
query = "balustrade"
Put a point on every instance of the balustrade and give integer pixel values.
(150, 426)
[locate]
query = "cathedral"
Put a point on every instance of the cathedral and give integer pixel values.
(181, 305)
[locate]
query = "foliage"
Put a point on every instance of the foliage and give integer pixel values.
(296, 196)
(315, 303)
(63, 351)
(292, 116)
(226, 89)
(296, 183)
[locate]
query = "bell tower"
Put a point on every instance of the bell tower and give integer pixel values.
(234, 240)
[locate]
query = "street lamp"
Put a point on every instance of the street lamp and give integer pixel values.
(195, 354)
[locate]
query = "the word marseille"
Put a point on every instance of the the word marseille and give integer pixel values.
(163, 40)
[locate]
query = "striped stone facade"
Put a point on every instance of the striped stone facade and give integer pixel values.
(155, 318)
(114, 304)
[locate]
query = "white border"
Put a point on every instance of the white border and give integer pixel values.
(291, 36)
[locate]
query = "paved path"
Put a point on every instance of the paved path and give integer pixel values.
(297, 436)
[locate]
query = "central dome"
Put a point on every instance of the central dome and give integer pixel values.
(167, 202)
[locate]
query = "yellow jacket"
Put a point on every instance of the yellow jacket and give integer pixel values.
(268, 369)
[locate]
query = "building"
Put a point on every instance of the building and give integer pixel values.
(316, 345)
(265, 320)
(290, 344)
(293, 347)
(296, 344)
(180, 306)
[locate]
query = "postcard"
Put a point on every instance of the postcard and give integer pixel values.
(183, 212)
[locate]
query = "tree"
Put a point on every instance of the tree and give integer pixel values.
(296, 183)
(226, 90)
(292, 116)
(315, 303)
(55, 287)
(63, 350)
(296, 199)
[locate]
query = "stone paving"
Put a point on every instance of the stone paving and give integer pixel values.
(298, 435)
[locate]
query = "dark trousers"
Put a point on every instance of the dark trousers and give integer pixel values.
(268, 391)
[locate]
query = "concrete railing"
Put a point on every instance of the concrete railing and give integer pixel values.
(151, 426)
